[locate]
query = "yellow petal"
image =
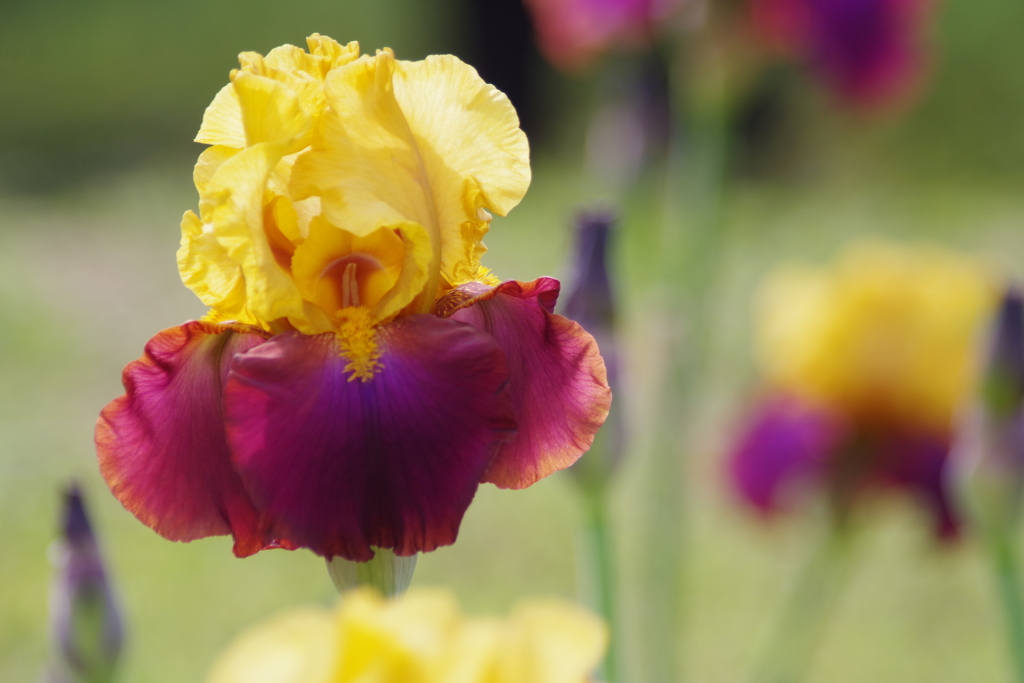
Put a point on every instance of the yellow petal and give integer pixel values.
(470, 125)
(234, 201)
(207, 270)
(270, 111)
(324, 54)
(396, 641)
(427, 143)
(477, 156)
(208, 163)
(415, 274)
(222, 121)
(549, 641)
(334, 53)
(389, 269)
(297, 647)
(886, 332)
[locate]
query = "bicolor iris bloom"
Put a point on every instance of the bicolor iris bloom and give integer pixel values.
(866, 364)
(868, 52)
(421, 637)
(359, 372)
(572, 33)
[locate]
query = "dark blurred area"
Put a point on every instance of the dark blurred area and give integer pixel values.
(503, 50)
(104, 85)
(108, 85)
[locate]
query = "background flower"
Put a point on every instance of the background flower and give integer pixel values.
(867, 52)
(572, 33)
(866, 363)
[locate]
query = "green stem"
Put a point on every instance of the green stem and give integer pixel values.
(690, 254)
(794, 639)
(599, 571)
(1007, 574)
(388, 573)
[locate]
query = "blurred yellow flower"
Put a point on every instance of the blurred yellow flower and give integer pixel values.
(341, 190)
(885, 334)
(418, 638)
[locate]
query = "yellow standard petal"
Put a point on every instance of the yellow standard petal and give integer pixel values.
(477, 157)
(207, 270)
(427, 143)
(222, 122)
(208, 163)
(270, 111)
(235, 205)
(294, 68)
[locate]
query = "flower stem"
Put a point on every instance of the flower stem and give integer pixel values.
(690, 255)
(387, 572)
(1007, 574)
(793, 640)
(599, 576)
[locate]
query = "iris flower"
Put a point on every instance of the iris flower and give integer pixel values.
(359, 372)
(866, 363)
(419, 638)
(869, 52)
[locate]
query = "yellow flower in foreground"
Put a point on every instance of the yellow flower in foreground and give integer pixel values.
(418, 638)
(885, 333)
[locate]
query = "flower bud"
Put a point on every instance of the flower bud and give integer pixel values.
(990, 448)
(591, 303)
(86, 625)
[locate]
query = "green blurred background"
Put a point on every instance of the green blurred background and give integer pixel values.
(100, 100)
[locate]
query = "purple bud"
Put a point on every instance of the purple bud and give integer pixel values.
(591, 303)
(1003, 390)
(85, 622)
(990, 445)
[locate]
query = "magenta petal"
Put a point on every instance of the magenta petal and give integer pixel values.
(557, 379)
(340, 464)
(786, 441)
(162, 447)
(917, 462)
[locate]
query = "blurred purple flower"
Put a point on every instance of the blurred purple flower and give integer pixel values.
(868, 52)
(785, 442)
(84, 617)
(790, 446)
(572, 33)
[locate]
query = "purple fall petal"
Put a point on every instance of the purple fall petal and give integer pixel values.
(917, 463)
(340, 465)
(162, 447)
(786, 441)
(557, 378)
